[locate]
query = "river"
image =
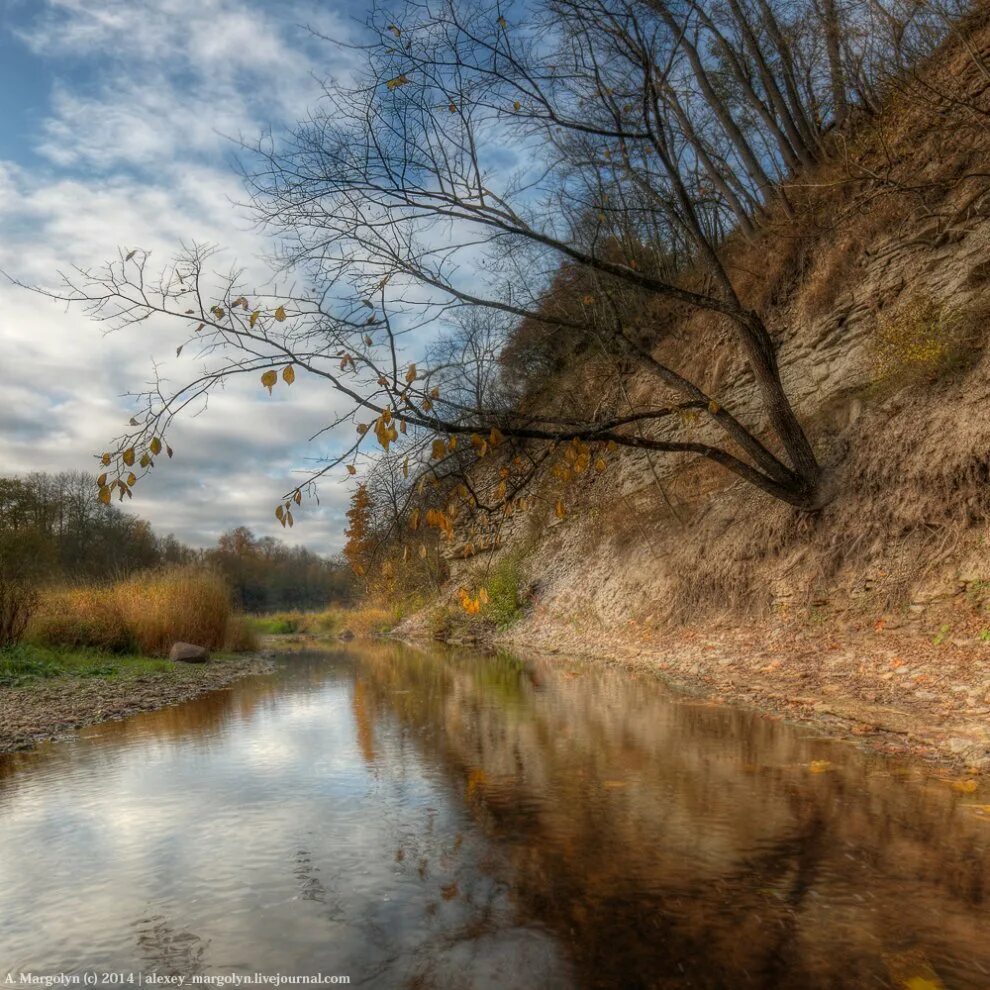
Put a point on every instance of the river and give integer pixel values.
(435, 818)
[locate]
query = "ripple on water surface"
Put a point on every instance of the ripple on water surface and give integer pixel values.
(444, 819)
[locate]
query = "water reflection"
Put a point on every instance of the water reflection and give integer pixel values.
(444, 820)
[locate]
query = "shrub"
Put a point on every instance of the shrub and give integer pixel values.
(17, 602)
(922, 340)
(504, 586)
(146, 613)
(241, 636)
(80, 618)
(182, 603)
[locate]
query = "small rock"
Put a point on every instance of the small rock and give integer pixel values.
(188, 653)
(346, 634)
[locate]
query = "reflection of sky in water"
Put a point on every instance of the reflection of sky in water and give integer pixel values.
(269, 845)
(460, 821)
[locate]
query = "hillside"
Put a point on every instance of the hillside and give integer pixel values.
(874, 608)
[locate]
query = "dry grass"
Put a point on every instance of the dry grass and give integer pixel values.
(145, 614)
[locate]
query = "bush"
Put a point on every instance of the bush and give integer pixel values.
(922, 340)
(241, 635)
(146, 613)
(17, 602)
(504, 586)
(182, 603)
(80, 618)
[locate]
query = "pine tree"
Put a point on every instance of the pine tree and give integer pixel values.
(358, 548)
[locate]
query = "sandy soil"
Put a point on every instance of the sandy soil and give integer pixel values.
(47, 709)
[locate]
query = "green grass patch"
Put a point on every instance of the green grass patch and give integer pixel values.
(27, 663)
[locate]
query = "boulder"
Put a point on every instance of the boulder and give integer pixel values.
(188, 653)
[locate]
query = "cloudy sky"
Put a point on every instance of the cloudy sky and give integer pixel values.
(116, 117)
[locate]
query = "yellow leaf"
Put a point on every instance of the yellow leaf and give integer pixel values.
(495, 437)
(517, 106)
(268, 379)
(922, 983)
(405, 468)
(145, 459)
(600, 464)
(297, 497)
(820, 766)
(128, 456)
(105, 495)
(395, 30)
(132, 479)
(280, 314)
(254, 317)
(101, 481)
(427, 405)
(362, 428)
(156, 446)
(439, 449)
(502, 23)
(288, 374)
(411, 374)
(713, 407)
(558, 510)
(279, 513)
(351, 469)
(397, 81)
(105, 460)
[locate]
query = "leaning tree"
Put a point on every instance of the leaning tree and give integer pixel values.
(476, 168)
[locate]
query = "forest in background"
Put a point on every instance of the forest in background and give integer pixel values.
(54, 531)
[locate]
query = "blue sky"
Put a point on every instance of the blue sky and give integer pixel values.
(113, 121)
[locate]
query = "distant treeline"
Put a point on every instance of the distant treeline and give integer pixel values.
(54, 529)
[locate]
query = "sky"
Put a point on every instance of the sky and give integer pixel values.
(117, 126)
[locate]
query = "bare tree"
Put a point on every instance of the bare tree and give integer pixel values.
(471, 161)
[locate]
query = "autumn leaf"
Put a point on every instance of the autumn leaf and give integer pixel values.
(280, 514)
(280, 314)
(351, 469)
(105, 495)
(155, 446)
(397, 81)
(600, 464)
(558, 510)
(132, 479)
(268, 379)
(713, 407)
(130, 254)
(101, 481)
(297, 497)
(517, 106)
(254, 317)
(288, 374)
(128, 456)
(105, 460)
(820, 766)
(411, 374)
(439, 450)
(452, 107)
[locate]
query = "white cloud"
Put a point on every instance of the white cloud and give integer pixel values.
(136, 157)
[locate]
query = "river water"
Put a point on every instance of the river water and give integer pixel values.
(440, 819)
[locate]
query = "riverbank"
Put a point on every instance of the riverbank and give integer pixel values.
(49, 694)
(891, 689)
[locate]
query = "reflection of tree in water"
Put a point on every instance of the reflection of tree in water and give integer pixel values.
(169, 951)
(672, 842)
